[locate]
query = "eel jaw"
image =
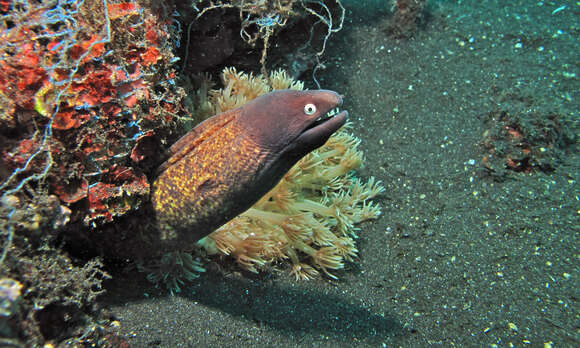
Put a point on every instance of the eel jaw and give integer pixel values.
(318, 132)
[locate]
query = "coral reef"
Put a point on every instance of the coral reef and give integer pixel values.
(84, 88)
(309, 216)
(55, 294)
(78, 92)
(10, 292)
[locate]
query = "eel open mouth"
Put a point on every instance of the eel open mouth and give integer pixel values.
(323, 127)
(323, 118)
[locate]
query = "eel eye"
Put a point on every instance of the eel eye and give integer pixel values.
(309, 109)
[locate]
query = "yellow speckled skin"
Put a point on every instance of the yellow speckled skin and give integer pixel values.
(205, 181)
(227, 163)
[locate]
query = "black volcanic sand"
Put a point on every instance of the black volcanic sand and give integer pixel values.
(461, 255)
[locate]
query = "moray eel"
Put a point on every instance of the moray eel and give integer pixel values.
(227, 163)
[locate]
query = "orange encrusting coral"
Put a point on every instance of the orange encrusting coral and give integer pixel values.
(123, 9)
(94, 77)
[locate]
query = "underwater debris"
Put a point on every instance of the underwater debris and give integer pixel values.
(310, 216)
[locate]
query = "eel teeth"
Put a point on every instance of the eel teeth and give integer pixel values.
(329, 114)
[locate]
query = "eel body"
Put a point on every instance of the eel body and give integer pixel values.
(227, 163)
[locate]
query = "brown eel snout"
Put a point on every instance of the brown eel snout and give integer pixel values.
(227, 163)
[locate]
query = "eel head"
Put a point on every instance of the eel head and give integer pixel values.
(290, 124)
